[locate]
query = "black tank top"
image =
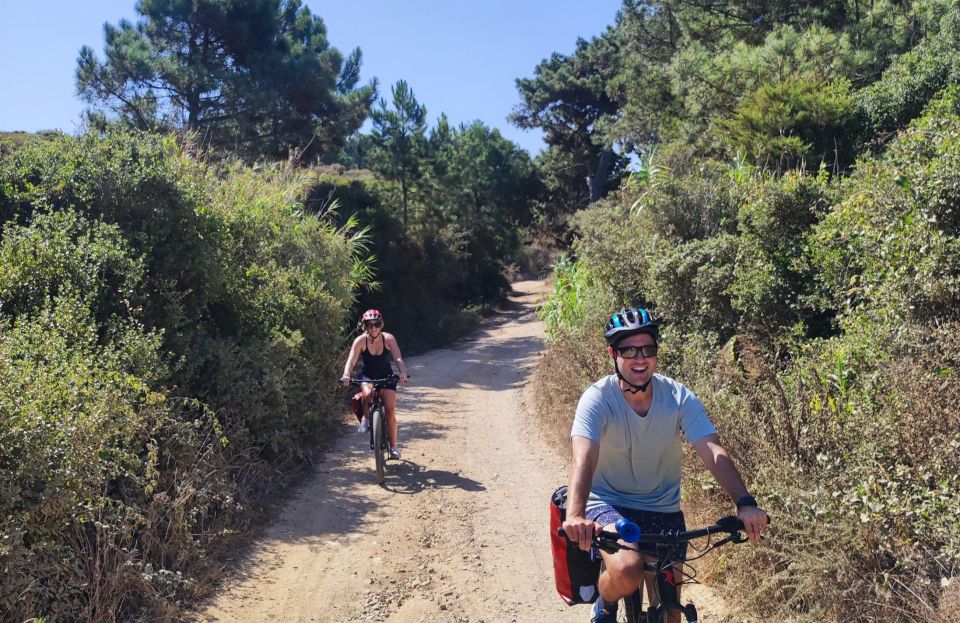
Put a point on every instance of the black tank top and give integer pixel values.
(376, 366)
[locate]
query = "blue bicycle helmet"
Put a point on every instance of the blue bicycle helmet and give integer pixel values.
(630, 321)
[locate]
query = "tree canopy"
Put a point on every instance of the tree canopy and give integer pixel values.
(257, 77)
(399, 138)
(570, 99)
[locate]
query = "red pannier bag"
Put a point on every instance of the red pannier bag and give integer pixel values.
(357, 404)
(574, 573)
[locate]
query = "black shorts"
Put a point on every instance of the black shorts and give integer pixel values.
(391, 385)
(649, 521)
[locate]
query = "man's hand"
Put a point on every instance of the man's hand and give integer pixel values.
(580, 530)
(754, 520)
(345, 379)
(403, 377)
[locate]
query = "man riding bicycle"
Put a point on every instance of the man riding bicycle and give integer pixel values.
(627, 454)
(375, 348)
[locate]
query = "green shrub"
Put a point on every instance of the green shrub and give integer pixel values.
(772, 282)
(86, 443)
(617, 269)
(563, 311)
(287, 281)
(795, 122)
(164, 332)
(61, 254)
(690, 199)
(891, 241)
(690, 284)
(911, 81)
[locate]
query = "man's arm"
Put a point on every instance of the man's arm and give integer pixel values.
(585, 455)
(716, 459)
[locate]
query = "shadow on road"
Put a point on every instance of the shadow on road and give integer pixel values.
(408, 478)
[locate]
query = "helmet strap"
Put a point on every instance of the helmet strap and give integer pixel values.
(634, 389)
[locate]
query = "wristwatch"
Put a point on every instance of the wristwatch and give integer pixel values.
(747, 500)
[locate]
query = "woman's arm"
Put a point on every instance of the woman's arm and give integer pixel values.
(391, 343)
(352, 360)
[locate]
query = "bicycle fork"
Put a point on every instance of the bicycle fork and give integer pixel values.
(370, 421)
(669, 600)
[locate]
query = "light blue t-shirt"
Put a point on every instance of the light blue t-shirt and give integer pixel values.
(639, 463)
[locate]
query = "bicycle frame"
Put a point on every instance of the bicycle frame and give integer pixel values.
(665, 596)
(377, 420)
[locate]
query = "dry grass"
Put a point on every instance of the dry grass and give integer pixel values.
(564, 372)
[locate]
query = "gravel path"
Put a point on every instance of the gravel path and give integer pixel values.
(459, 531)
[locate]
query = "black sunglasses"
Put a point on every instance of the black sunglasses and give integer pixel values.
(632, 352)
(372, 323)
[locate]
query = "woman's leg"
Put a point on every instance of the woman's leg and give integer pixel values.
(367, 389)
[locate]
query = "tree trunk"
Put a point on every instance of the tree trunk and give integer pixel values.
(598, 180)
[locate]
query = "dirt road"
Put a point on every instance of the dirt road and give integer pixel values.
(459, 531)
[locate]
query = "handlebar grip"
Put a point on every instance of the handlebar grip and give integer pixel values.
(563, 533)
(729, 523)
(606, 534)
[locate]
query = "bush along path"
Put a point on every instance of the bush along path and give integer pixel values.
(458, 532)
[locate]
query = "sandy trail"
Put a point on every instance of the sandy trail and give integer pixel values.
(459, 530)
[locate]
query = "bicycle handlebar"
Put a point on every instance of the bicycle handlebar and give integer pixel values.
(609, 541)
(377, 383)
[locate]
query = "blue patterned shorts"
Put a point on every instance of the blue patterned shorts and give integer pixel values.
(648, 521)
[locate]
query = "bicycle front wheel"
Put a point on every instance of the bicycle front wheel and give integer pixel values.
(380, 447)
(632, 608)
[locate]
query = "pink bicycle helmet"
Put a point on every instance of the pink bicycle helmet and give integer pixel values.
(371, 314)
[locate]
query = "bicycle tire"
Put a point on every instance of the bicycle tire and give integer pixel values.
(380, 448)
(632, 608)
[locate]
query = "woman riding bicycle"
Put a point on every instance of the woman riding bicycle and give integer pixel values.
(375, 348)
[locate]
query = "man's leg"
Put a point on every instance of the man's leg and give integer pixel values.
(622, 574)
(635, 567)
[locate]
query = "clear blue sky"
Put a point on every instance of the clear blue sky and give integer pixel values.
(460, 57)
